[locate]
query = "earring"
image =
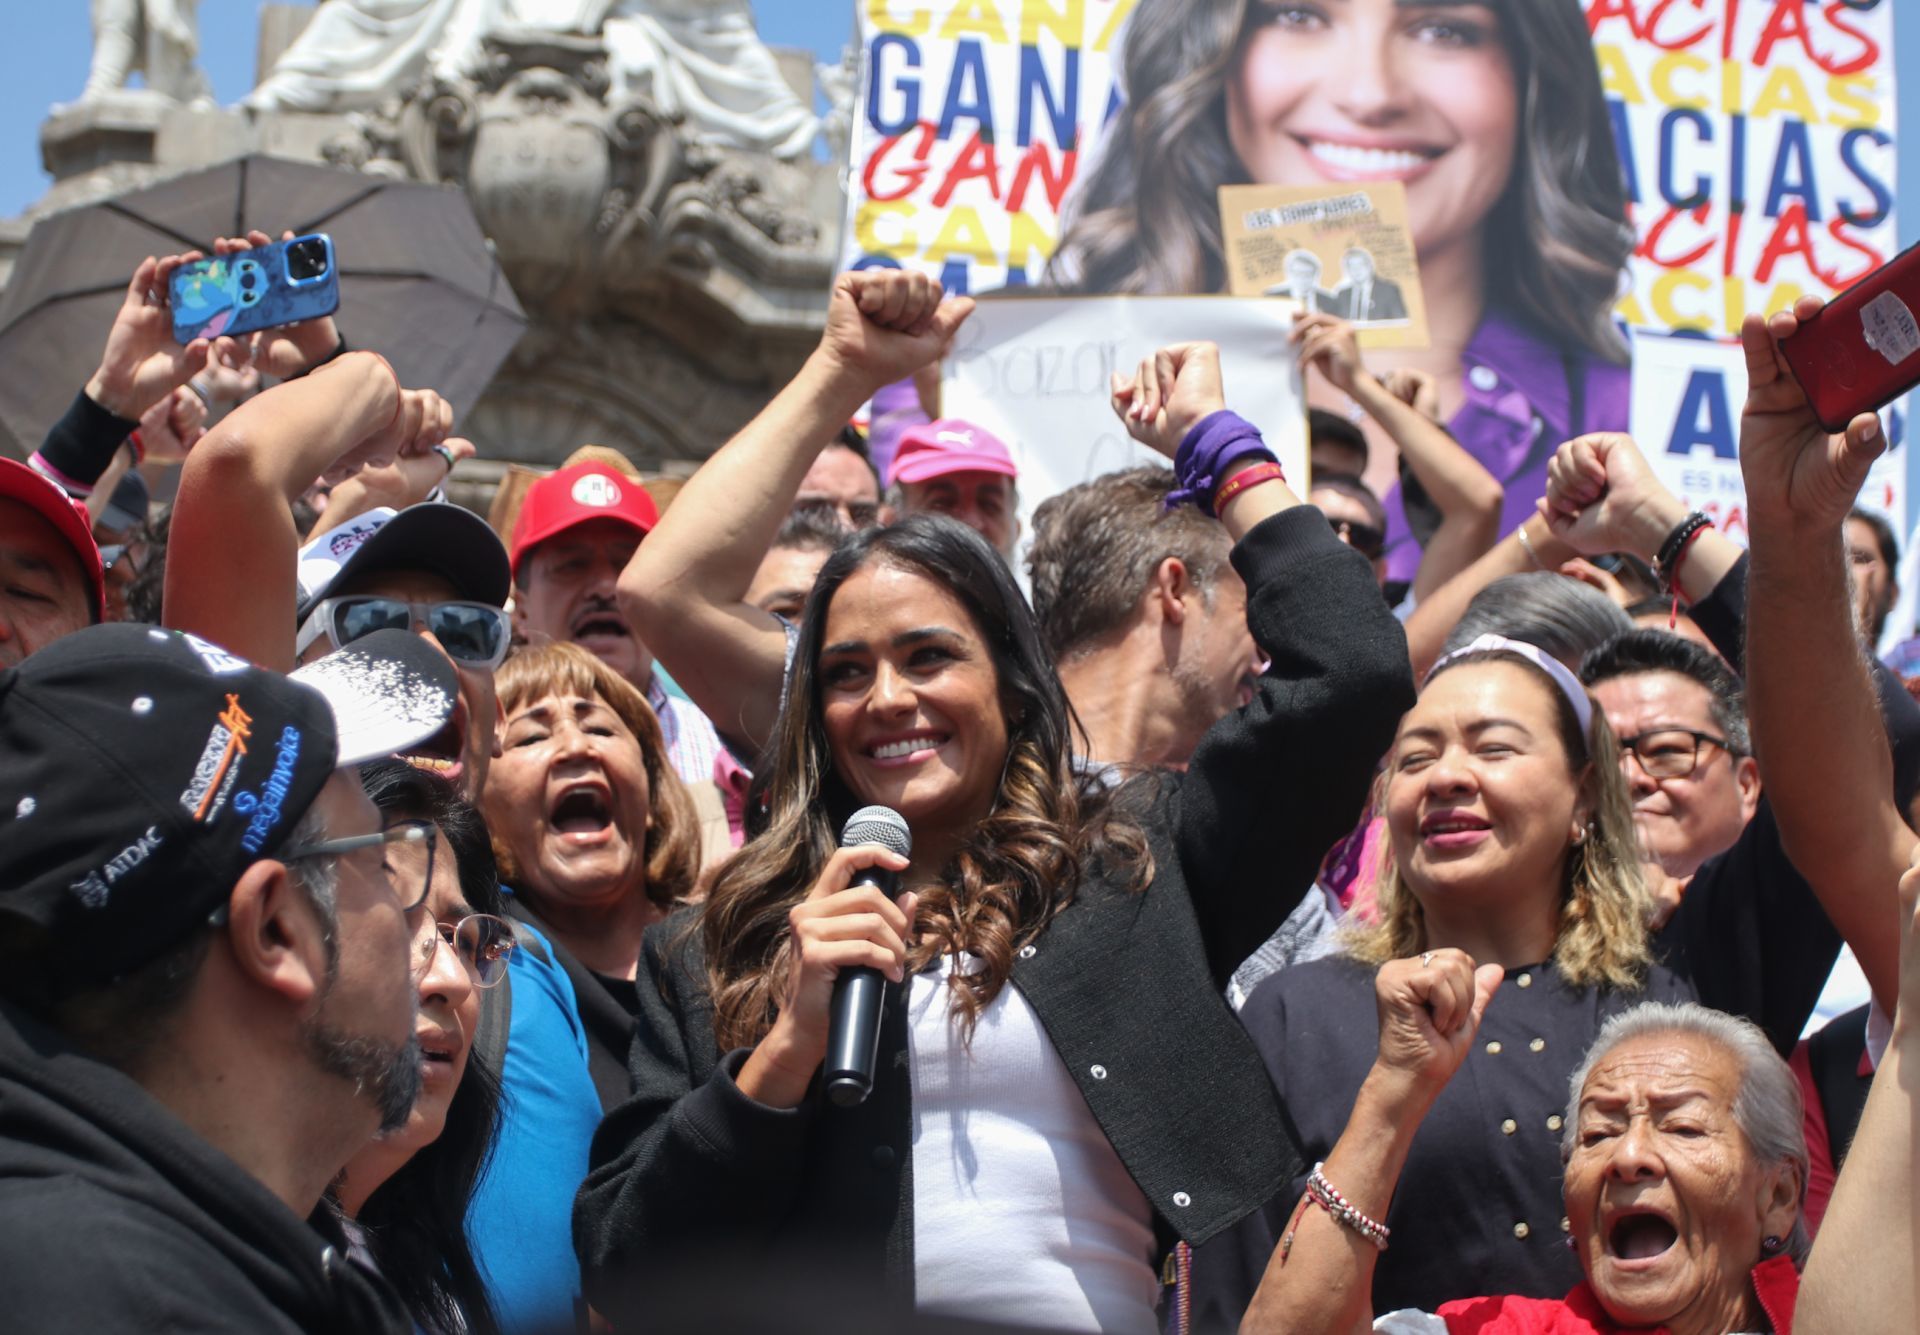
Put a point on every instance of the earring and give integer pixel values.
(1579, 836)
(1771, 1244)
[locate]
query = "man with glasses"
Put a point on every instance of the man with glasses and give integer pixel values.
(843, 480)
(1356, 515)
(1682, 723)
(205, 1001)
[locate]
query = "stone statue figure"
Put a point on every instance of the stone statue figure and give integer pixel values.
(698, 59)
(159, 39)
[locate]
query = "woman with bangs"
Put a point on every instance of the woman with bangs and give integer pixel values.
(1491, 114)
(595, 833)
(1510, 847)
(1062, 1094)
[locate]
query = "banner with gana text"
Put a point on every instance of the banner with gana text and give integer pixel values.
(1577, 173)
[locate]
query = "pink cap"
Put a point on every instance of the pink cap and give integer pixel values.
(948, 445)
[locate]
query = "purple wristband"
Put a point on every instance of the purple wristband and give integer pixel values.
(1200, 464)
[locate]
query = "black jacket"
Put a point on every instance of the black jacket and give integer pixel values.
(607, 1023)
(115, 1217)
(691, 1174)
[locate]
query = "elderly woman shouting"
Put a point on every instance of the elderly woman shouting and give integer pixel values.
(1685, 1170)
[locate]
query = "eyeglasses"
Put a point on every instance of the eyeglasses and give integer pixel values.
(406, 857)
(858, 514)
(482, 942)
(472, 633)
(1363, 538)
(112, 554)
(1671, 753)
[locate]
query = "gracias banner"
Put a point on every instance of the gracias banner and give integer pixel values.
(1571, 168)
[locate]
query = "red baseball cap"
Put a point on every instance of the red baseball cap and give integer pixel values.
(574, 496)
(69, 517)
(948, 445)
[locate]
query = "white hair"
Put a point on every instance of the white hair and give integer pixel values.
(1767, 1106)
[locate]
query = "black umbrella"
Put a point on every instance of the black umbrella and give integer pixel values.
(419, 282)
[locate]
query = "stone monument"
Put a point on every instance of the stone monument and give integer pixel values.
(646, 170)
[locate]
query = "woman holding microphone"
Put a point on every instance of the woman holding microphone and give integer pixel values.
(1062, 1094)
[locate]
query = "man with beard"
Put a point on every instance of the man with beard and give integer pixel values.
(1145, 616)
(578, 528)
(205, 997)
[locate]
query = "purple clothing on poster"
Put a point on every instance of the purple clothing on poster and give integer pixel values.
(896, 410)
(1518, 409)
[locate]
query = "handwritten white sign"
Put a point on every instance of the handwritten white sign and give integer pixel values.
(1035, 372)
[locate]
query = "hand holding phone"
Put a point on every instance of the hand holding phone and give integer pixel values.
(1863, 350)
(280, 283)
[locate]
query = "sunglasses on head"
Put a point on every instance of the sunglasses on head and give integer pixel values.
(473, 634)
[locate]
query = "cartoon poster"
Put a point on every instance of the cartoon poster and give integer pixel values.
(1342, 250)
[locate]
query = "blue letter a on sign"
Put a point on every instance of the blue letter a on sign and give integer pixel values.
(1705, 418)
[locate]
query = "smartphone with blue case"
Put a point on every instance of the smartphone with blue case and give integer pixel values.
(250, 290)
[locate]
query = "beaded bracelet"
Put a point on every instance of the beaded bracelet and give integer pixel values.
(1667, 561)
(1325, 1195)
(1266, 471)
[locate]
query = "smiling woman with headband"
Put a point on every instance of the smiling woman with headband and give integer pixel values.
(1510, 844)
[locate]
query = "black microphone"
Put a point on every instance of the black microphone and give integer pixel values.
(853, 1035)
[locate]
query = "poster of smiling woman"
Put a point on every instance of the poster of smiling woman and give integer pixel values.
(1576, 171)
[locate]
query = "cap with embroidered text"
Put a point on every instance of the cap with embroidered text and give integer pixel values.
(143, 770)
(434, 536)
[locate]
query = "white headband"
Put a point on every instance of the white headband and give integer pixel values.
(1562, 677)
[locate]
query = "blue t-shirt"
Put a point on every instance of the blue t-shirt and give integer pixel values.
(520, 1222)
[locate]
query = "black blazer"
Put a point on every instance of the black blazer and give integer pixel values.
(691, 1178)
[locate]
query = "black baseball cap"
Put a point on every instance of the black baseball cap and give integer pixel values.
(143, 770)
(435, 536)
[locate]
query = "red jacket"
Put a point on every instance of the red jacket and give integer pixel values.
(1776, 1283)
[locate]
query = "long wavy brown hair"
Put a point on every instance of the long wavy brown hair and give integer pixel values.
(1602, 937)
(1146, 217)
(1049, 829)
(673, 839)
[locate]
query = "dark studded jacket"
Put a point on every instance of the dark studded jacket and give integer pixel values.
(692, 1181)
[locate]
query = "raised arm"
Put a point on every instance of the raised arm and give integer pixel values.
(685, 590)
(1816, 722)
(1602, 496)
(1273, 784)
(1468, 496)
(1531, 546)
(1320, 1279)
(1861, 1277)
(231, 554)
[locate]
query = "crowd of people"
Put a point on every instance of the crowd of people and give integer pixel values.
(1284, 945)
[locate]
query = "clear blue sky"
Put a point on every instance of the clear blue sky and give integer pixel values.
(48, 42)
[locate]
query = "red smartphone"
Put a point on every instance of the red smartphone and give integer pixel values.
(1863, 350)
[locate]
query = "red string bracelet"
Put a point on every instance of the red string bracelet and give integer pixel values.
(1672, 572)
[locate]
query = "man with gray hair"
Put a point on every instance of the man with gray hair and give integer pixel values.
(1145, 615)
